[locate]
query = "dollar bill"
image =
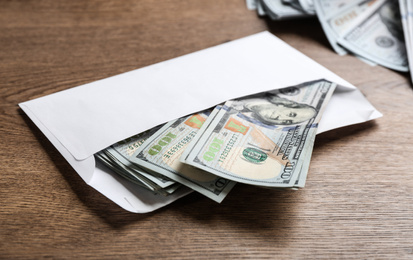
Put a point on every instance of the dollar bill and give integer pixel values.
(307, 6)
(406, 12)
(260, 8)
(262, 139)
(103, 158)
(251, 4)
(379, 37)
(304, 6)
(409, 32)
(124, 150)
(303, 172)
(277, 10)
(117, 157)
(306, 157)
(161, 152)
(135, 177)
(294, 4)
(134, 170)
(337, 16)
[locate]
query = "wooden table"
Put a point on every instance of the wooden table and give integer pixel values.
(358, 201)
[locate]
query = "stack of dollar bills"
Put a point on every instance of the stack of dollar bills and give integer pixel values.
(372, 30)
(265, 139)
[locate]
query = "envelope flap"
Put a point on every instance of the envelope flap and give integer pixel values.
(88, 118)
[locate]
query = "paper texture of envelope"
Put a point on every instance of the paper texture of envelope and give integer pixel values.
(84, 120)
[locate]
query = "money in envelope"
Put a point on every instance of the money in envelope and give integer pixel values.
(82, 121)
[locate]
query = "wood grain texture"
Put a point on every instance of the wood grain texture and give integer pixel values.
(358, 202)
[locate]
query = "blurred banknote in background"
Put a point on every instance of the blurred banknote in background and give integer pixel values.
(406, 14)
(375, 31)
(282, 9)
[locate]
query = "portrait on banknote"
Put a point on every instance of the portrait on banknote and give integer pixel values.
(264, 139)
(274, 110)
(390, 16)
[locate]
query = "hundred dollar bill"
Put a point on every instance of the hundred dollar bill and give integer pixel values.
(262, 139)
(406, 11)
(409, 33)
(379, 37)
(117, 157)
(306, 157)
(103, 158)
(135, 177)
(132, 169)
(124, 150)
(302, 174)
(307, 6)
(161, 153)
(277, 10)
(293, 3)
(251, 4)
(260, 8)
(336, 16)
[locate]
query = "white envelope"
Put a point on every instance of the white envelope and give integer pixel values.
(84, 120)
